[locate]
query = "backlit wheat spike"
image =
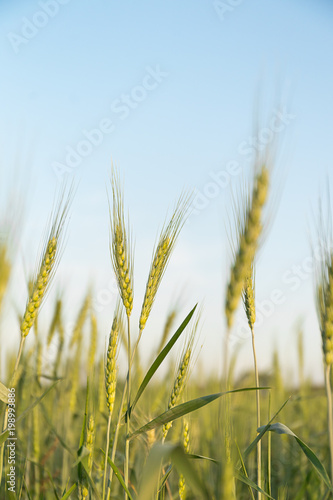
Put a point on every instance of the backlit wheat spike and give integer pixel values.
(324, 299)
(167, 328)
(110, 365)
(186, 445)
(325, 310)
(5, 269)
(80, 321)
(249, 299)
(178, 386)
(61, 332)
(48, 263)
(39, 287)
(120, 247)
(55, 321)
(101, 387)
(75, 377)
(248, 240)
(161, 257)
(90, 442)
(93, 342)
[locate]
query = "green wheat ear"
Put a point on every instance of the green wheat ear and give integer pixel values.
(249, 232)
(48, 263)
(120, 246)
(249, 299)
(161, 256)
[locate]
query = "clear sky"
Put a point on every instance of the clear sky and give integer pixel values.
(173, 90)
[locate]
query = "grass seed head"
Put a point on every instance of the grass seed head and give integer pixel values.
(120, 247)
(110, 365)
(325, 309)
(161, 257)
(248, 240)
(249, 300)
(48, 262)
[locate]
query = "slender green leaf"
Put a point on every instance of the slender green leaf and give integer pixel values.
(69, 492)
(54, 431)
(3, 436)
(83, 463)
(35, 403)
(162, 355)
(119, 477)
(263, 431)
(165, 477)
(312, 457)
(201, 457)
(185, 408)
(244, 470)
(246, 480)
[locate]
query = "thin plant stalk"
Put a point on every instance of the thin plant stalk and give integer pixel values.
(106, 458)
(258, 414)
(329, 413)
(127, 450)
(115, 439)
(269, 450)
(5, 421)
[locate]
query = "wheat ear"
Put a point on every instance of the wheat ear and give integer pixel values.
(325, 315)
(110, 387)
(120, 246)
(93, 342)
(186, 445)
(178, 386)
(161, 256)
(250, 310)
(248, 239)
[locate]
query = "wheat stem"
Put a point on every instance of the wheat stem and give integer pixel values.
(258, 414)
(106, 457)
(329, 413)
(127, 448)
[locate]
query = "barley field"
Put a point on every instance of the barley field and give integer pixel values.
(166, 250)
(74, 427)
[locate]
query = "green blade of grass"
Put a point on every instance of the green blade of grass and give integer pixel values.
(246, 480)
(311, 456)
(4, 435)
(118, 476)
(263, 431)
(244, 470)
(69, 492)
(185, 408)
(201, 457)
(160, 358)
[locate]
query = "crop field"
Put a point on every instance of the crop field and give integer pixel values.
(73, 427)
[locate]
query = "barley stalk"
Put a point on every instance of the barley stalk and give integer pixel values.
(250, 310)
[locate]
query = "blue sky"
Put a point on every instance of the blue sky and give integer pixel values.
(176, 88)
